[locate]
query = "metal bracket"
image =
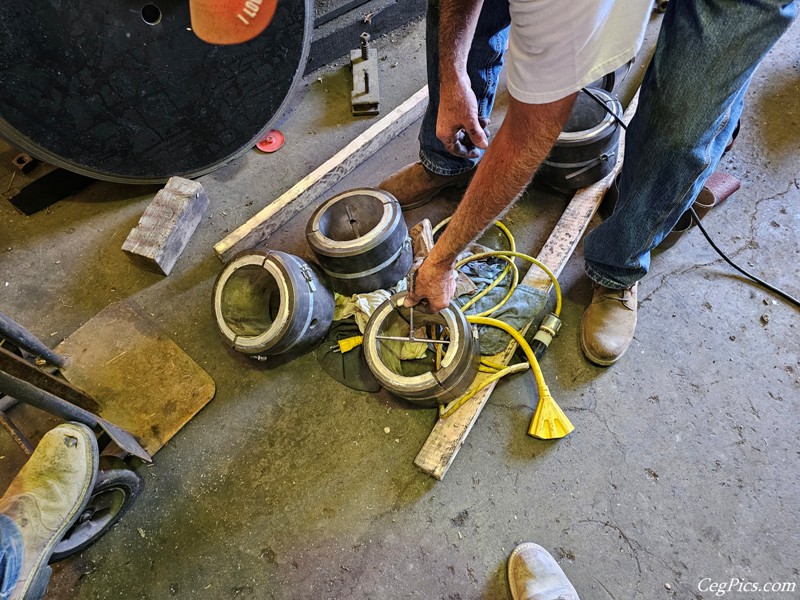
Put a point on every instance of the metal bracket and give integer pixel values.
(306, 271)
(365, 98)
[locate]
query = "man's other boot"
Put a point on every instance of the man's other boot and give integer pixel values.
(608, 324)
(415, 186)
(47, 496)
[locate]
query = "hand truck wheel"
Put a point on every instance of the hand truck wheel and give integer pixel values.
(115, 490)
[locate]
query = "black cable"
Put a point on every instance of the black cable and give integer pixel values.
(606, 108)
(750, 276)
(761, 282)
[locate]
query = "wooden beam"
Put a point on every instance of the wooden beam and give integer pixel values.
(312, 186)
(448, 435)
(166, 225)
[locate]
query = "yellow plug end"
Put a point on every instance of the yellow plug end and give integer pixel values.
(348, 344)
(549, 421)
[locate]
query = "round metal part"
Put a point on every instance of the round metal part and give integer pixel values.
(268, 302)
(361, 241)
(610, 81)
(586, 150)
(116, 489)
(125, 91)
(420, 381)
(271, 142)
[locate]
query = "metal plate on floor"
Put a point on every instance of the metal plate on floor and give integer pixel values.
(123, 90)
(141, 379)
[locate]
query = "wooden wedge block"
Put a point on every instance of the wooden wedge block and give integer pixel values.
(166, 225)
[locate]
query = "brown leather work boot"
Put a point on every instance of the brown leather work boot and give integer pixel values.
(533, 574)
(608, 324)
(46, 497)
(415, 186)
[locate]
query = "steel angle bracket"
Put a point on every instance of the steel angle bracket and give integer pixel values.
(365, 98)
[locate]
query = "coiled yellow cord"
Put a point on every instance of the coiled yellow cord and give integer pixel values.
(549, 421)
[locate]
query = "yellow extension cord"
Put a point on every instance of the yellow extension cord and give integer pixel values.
(549, 421)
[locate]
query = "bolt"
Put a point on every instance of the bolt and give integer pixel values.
(364, 45)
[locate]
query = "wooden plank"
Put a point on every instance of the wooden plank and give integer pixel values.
(448, 435)
(166, 225)
(141, 379)
(312, 186)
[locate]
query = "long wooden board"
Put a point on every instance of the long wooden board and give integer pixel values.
(259, 227)
(448, 435)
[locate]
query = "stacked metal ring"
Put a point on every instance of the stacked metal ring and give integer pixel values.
(361, 241)
(586, 151)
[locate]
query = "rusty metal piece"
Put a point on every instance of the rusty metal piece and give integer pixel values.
(22, 369)
(12, 429)
(21, 337)
(24, 163)
(365, 98)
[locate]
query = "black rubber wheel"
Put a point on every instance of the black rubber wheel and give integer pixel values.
(115, 491)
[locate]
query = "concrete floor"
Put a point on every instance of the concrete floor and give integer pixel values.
(684, 462)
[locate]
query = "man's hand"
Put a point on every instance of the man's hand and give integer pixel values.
(434, 283)
(458, 126)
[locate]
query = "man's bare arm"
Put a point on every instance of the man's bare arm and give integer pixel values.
(458, 107)
(523, 141)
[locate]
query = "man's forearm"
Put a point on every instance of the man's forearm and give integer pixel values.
(523, 141)
(457, 22)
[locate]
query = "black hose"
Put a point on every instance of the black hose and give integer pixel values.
(750, 276)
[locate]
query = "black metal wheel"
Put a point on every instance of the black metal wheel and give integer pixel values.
(115, 491)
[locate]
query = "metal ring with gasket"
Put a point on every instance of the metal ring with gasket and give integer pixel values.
(268, 302)
(445, 346)
(586, 149)
(360, 241)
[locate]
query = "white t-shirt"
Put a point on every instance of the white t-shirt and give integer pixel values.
(556, 47)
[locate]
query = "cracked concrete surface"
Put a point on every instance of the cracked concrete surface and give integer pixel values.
(683, 466)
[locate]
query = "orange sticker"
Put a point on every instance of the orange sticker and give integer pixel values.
(227, 22)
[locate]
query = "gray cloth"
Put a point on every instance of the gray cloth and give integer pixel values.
(526, 304)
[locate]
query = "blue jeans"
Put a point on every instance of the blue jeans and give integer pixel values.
(691, 99)
(10, 556)
(483, 67)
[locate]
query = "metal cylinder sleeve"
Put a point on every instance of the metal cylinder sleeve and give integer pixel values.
(361, 241)
(586, 150)
(268, 302)
(420, 381)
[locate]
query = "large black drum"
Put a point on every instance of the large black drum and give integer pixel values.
(123, 90)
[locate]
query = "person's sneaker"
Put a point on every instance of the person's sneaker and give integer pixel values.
(415, 186)
(608, 324)
(46, 498)
(533, 574)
